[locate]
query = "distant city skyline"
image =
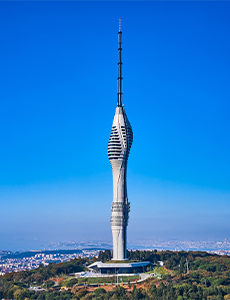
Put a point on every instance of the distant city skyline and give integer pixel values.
(58, 92)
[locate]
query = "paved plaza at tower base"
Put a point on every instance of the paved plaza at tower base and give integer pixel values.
(124, 267)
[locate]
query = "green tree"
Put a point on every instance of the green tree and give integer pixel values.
(99, 292)
(105, 255)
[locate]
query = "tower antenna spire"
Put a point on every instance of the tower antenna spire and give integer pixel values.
(119, 103)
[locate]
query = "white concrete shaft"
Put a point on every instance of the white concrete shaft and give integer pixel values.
(118, 151)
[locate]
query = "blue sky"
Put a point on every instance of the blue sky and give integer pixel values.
(58, 74)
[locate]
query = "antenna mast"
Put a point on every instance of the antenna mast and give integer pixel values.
(119, 67)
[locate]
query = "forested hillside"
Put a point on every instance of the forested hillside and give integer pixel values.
(184, 275)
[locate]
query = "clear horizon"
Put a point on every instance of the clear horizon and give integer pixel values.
(58, 96)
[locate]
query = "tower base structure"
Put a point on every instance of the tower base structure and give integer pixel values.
(120, 267)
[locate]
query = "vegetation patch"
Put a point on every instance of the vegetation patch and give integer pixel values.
(99, 280)
(120, 261)
(184, 276)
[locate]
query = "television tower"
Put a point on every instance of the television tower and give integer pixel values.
(120, 142)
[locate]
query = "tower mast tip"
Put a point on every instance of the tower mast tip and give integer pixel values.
(119, 103)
